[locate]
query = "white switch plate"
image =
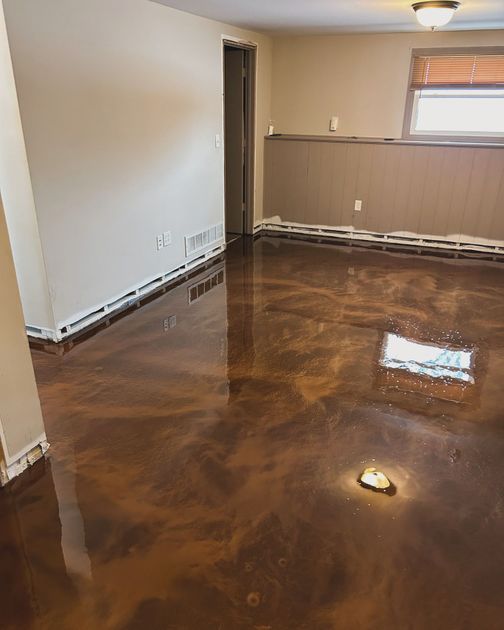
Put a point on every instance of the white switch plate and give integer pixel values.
(159, 242)
(169, 322)
(166, 239)
(218, 141)
(358, 205)
(333, 123)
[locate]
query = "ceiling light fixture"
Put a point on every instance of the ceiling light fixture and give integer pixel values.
(433, 13)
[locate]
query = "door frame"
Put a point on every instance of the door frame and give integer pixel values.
(250, 125)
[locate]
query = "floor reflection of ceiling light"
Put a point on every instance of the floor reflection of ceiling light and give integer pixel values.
(377, 481)
(426, 359)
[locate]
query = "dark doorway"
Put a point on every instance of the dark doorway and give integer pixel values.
(239, 102)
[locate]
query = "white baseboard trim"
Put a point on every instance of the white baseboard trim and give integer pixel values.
(101, 311)
(12, 468)
(91, 316)
(420, 240)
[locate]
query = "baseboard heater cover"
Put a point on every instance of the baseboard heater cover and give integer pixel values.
(193, 245)
(13, 467)
(68, 328)
(376, 237)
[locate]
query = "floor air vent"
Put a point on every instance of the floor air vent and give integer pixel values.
(198, 241)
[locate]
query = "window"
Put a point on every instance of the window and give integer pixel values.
(456, 95)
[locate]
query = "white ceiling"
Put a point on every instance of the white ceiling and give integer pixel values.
(332, 16)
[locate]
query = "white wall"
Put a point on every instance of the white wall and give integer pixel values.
(21, 424)
(16, 190)
(120, 102)
(360, 78)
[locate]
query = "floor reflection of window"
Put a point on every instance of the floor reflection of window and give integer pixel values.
(425, 359)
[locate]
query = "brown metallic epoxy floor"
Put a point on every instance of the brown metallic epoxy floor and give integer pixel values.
(202, 474)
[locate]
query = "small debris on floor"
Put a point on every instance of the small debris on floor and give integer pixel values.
(377, 481)
(455, 455)
(253, 599)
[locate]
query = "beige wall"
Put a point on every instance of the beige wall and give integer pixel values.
(360, 78)
(120, 103)
(16, 189)
(21, 425)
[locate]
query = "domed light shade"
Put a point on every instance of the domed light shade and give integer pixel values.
(434, 14)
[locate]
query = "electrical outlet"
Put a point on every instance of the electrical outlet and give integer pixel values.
(218, 141)
(169, 322)
(166, 239)
(159, 242)
(358, 205)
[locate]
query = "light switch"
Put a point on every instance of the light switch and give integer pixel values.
(218, 141)
(333, 124)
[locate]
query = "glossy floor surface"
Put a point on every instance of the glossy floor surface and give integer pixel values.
(206, 449)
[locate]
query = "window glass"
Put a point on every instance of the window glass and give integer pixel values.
(459, 112)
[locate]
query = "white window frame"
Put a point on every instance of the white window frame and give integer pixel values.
(412, 98)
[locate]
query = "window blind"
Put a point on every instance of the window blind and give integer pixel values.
(462, 71)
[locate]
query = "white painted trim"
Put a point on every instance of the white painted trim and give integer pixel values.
(41, 333)
(223, 138)
(238, 40)
(258, 226)
(11, 467)
(245, 42)
(132, 295)
(397, 238)
(85, 318)
(8, 460)
(11, 459)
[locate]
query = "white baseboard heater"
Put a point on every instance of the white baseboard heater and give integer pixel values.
(419, 240)
(201, 240)
(67, 329)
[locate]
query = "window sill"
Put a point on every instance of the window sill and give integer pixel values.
(393, 141)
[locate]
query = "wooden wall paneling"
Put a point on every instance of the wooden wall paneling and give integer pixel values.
(270, 148)
(363, 182)
(430, 193)
(470, 218)
(376, 187)
(389, 190)
(374, 190)
(418, 182)
(495, 177)
(442, 207)
(402, 194)
(299, 183)
(482, 193)
(429, 190)
(273, 188)
(320, 174)
(337, 183)
(291, 177)
(350, 184)
(459, 194)
(314, 181)
(497, 226)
